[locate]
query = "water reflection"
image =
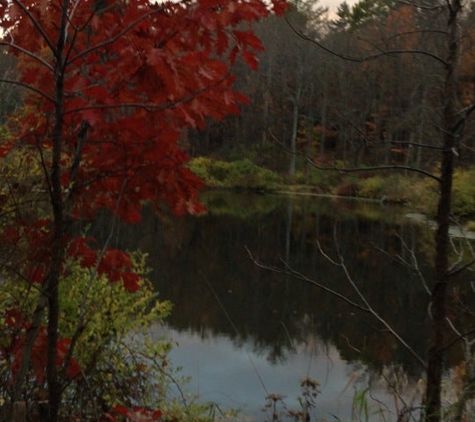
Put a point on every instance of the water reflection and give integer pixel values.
(237, 377)
(230, 315)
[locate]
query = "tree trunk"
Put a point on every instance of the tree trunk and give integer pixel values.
(436, 352)
(57, 247)
(293, 138)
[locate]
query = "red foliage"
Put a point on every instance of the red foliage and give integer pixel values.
(14, 350)
(110, 86)
(135, 74)
(128, 79)
(138, 414)
(115, 264)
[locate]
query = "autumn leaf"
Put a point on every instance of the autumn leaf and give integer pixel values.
(111, 87)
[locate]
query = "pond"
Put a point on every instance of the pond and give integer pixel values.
(244, 332)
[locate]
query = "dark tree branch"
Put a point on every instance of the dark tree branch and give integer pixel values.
(460, 268)
(365, 58)
(150, 107)
(418, 6)
(339, 262)
(412, 144)
(288, 270)
(357, 169)
(37, 26)
(120, 34)
(417, 32)
(28, 87)
(34, 56)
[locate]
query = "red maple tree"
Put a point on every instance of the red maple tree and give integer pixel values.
(109, 87)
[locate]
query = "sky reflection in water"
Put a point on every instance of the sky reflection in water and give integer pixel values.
(229, 316)
(229, 375)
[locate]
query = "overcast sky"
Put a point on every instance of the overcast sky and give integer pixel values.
(333, 4)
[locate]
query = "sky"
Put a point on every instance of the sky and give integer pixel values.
(333, 5)
(236, 376)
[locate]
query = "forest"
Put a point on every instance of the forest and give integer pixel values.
(361, 88)
(105, 102)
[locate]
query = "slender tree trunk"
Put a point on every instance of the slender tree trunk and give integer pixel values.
(57, 247)
(28, 348)
(52, 282)
(436, 353)
(293, 138)
(267, 99)
(309, 150)
(321, 148)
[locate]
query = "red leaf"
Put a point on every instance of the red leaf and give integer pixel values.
(250, 59)
(248, 38)
(138, 414)
(92, 116)
(131, 282)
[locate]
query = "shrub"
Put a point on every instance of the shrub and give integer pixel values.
(424, 193)
(394, 187)
(238, 174)
(470, 225)
(374, 187)
(463, 199)
(115, 367)
(324, 180)
(347, 189)
(200, 166)
(220, 172)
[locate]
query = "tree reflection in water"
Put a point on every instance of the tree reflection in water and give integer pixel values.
(227, 310)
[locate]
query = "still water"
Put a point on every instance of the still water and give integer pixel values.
(244, 332)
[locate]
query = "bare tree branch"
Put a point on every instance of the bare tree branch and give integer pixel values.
(28, 87)
(356, 169)
(366, 307)
(37, 26)
(341, 264)
(366, 58)
(421, 7)
(287, 270)
(34, 56)
(121, 33)
(413, 264)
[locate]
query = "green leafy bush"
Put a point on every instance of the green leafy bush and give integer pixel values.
(373, 187)
(470, 225)
(220, 171)
(119, 360)
(113, 342)
(324, 180)
(235, 174)
(393, 187)
(463, 199)
(423, 192)
(200, 166)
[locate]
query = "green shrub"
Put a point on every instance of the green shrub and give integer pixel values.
(238, 174)
(113, 344)
(219, 171)
(394, 187)
(424, 193)
(373, 187)
(463, 199)
(245, 174)
(200, 166)
(313, 177)
(122, 363)
(470, 225)
(347, 188)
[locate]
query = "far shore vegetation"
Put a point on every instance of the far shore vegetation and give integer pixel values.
(386, 186)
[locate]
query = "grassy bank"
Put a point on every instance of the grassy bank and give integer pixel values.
(386, 186)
